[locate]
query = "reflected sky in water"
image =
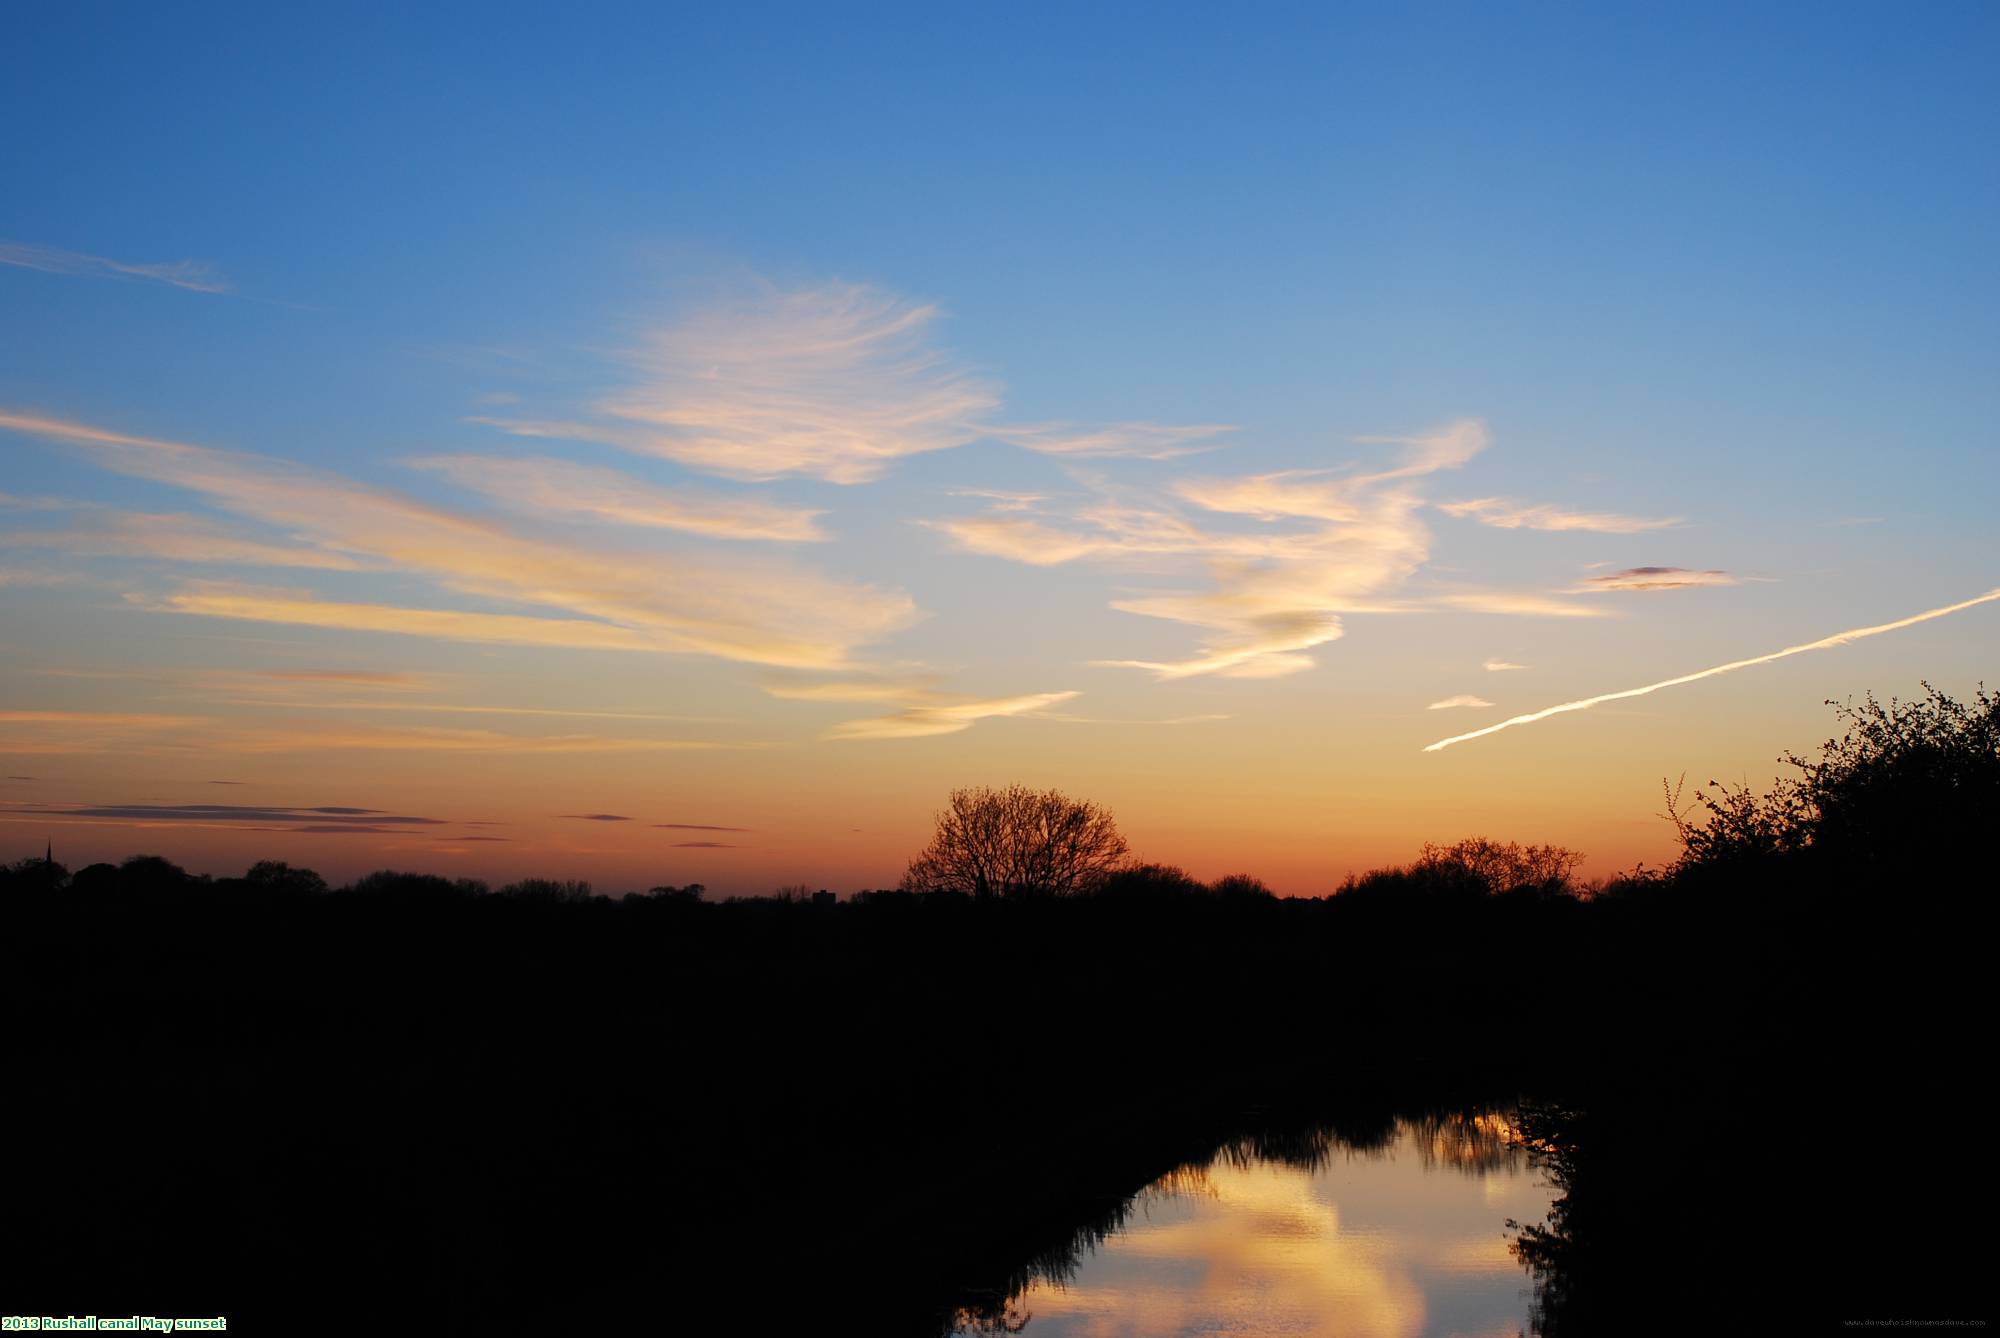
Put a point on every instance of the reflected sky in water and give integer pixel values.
(1408, 1238)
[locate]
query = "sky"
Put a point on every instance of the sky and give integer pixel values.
(680, 444)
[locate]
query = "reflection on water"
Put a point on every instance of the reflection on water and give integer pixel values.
(1389, 1233)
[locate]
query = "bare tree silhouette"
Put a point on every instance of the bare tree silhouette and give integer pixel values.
(1017, 842)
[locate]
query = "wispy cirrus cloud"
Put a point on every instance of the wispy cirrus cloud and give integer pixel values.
(1113, 531)
(537, 485)
(347, 678)
(757, 610)
(882, 690)
(1505, 515)
(60, 732)
(697, 827)
(1276, 593)
(1497, 666)
(171, 538)
(1128, 441)
(834, 382)
(1069, 719)
(1515, 603)
(56, 733)
(1002, 499)
(196, 276)
(1462, 700)
(300, 608)
(381, 692)
(46, 576)
(922, 708)
(327, 815)
(298, 821)
(1653, 578)
(1327, 543)
(432, 739)
(14, 502)
(432, 707)
(598, 817)
(944, 717)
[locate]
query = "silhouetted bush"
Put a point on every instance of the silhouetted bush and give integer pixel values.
(1470, 870)
(1418, 882)
(1241, 885)
(1150, 882)
(415, 886)
(1909, 787)
(551, 890)
(1502, 866)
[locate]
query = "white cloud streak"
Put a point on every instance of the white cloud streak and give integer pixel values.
(1824, 643)
(1328, 544)
(835, 382)
(752, 610)
(944, 718)
(171, 538)
(1515, 603)
(1278, 596)
(1462, 700)
(537, 485)
(1505, 515)
(1130, 441)
(194, 275)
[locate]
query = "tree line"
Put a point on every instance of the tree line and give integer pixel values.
(1902, 785)
(487, 1111)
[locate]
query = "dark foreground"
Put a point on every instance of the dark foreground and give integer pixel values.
(489, 1115)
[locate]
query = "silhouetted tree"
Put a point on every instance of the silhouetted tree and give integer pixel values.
(1017, 842)
(275, 876)
(151, 873)
(548, 889)
(36, 875)
(1504, 866)
(94, 879)
(692, 892)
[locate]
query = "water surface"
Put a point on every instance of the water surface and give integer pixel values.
(1401, 1235)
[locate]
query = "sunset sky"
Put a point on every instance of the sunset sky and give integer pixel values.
(682, 444)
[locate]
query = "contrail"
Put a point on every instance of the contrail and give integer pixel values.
(1837, 639)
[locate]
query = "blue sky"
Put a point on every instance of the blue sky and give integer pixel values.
(1729, 267)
